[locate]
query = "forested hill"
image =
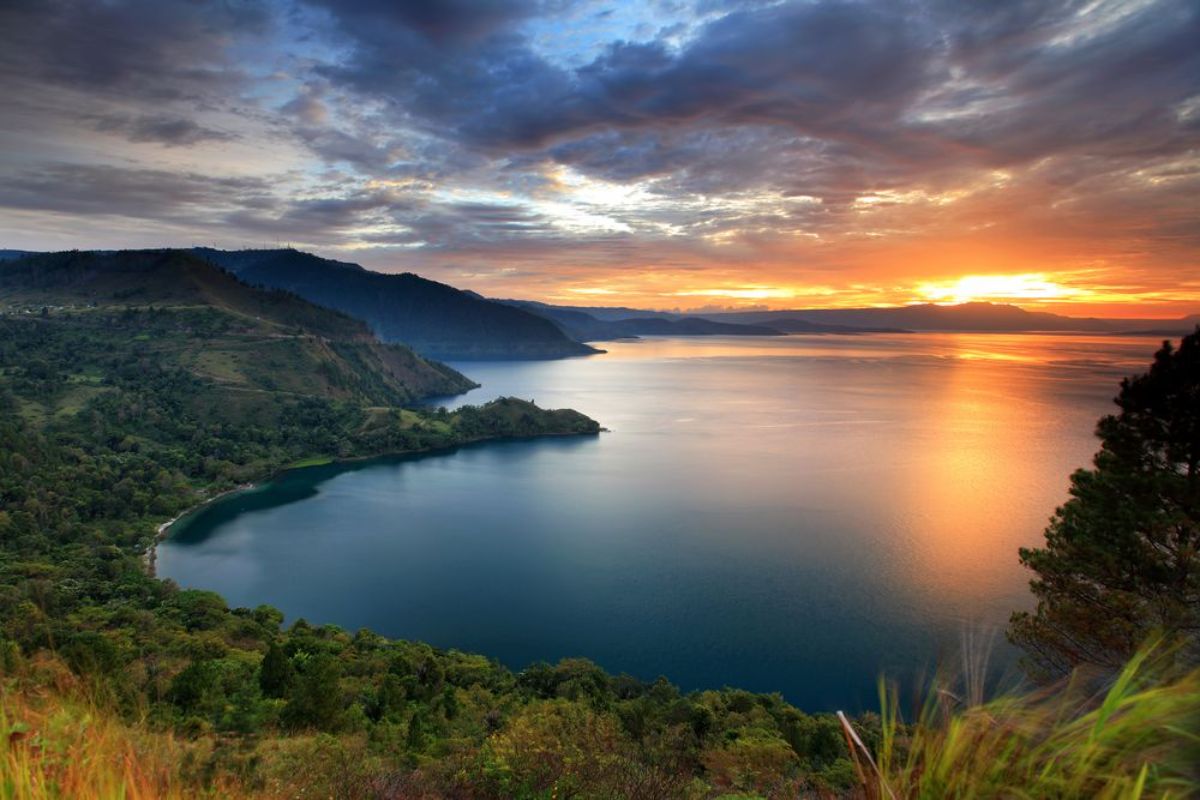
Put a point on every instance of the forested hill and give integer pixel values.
(434, 319)
(126, 400)
(200, 318)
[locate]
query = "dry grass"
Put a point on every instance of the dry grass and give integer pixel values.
(1137, 738)
(58, 745)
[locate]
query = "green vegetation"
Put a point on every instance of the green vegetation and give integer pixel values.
(1135, 739)
(313, 461)
(116, 416)
(1122, 556)
(434, 319)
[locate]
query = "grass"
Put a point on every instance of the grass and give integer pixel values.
(1137, 738)
(314, 461)
(58, 745)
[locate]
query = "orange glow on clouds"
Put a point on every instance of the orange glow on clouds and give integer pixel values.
(1069, 293)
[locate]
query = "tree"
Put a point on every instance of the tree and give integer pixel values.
(276, 673)
(316, 700)
(1121, 556)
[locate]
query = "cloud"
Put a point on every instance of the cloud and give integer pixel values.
(150, 49)
(441, 21)
(146, 193)
(166, 130)
(815, 67)
(803, 138)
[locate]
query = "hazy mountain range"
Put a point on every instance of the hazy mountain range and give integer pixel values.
(442, 322)
(979, 316)
(434, 319)
(587, 327)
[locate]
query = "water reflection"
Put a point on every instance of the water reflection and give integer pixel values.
(787, 514)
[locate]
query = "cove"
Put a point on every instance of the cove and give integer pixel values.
(794, 514)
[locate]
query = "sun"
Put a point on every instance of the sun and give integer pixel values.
(1029, 286)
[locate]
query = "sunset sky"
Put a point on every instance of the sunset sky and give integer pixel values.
(655, 153)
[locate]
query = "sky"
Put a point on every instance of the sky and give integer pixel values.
(654, 153)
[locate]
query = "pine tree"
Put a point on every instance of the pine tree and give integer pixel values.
(1121, 556)
(276, 673)
(316, 700)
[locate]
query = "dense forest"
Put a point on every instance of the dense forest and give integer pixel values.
(117, 416)
(122, 405)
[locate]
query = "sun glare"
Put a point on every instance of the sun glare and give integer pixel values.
(971, 288)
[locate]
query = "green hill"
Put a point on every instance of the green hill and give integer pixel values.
(202, 318)
(434, 319)
(115, 417)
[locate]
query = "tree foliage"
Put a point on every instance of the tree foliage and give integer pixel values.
(1122, 556)
(107, 430)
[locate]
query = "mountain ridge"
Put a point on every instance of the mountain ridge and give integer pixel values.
(585, 327)
(435, 319)
(204, 318)
(976, 316)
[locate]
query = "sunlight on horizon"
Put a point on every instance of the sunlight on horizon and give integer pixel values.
(1059, 293)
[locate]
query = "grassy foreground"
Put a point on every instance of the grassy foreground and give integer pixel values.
(60, 744)
(1134, 736)
(114, 684)
(1137, 738)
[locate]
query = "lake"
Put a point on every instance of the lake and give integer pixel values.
(794, 514)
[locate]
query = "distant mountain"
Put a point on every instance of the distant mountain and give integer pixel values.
(434, 319)
(594, 323)
(605, 313)
(585, 327)
(249, 341)
(984, 317)
(790, 324)
(9, 255)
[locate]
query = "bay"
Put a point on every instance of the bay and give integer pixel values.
(791, 514)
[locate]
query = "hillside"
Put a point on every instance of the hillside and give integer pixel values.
(434, 319)
(205, 320)
(116, 684)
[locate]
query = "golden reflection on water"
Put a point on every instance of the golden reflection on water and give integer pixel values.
(789, 514)
(1015, 347)
(978, 431)
(964, 533)
(977, 488)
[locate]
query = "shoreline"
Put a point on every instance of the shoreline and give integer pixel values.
(150, 557)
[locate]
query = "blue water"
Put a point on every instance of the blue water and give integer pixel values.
(790, 514)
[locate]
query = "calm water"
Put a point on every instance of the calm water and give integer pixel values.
(786, 514)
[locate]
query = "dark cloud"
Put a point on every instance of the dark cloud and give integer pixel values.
(453, 225)
(319, 217)
(1068, 80)
(166, 130)
(820, 67)
(391, 218)
(153, 49)
(102, 190)
(438, 20)
(897, 87)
